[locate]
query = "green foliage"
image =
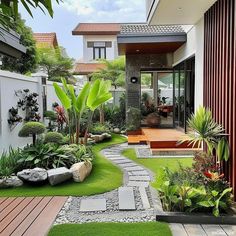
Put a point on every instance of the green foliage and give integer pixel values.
(9, 9)
(114, 71)
(53, 137)
(133, 119)
(98, 128)
(32, 129)
(28, 61)
(56, 65)
(207, 131)
(51, 115)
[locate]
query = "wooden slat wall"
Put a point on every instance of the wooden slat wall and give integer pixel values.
(220, 73)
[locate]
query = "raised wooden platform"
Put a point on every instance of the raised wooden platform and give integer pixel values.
(31, 216)
(160, 139)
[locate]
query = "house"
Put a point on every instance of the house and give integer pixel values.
(99, 42)
(46, 40)
(200, 55)
(10, 43)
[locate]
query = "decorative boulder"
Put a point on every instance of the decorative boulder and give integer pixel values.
(116, 131)
(106, 136)
(59, 175)
(96, 138)
(81, 170)
(33, 176)
(12, 181)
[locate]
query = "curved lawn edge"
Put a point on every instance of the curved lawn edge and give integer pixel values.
(112, 229)
(105, 177)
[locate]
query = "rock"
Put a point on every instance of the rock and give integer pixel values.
(116, 131)
(59, 175)
(36, 175)
(81, 170)
(123, 132)
(106, 136)
(12, 181)
(96, 138)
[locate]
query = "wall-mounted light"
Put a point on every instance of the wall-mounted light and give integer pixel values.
(134, 80)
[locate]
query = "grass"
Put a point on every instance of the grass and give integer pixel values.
(98, 182)
(111, 229)
(156, 165)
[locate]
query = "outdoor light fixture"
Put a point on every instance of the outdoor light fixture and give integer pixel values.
(137, 50)
(134, 80)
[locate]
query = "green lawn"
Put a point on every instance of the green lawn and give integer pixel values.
(156, 164)
(98, 182)
(112, 229)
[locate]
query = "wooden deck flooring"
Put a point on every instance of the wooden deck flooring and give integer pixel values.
(28, 216)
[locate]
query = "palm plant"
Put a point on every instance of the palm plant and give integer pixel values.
(208, 132)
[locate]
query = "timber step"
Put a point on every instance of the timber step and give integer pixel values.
(174, 151)
(126, 198)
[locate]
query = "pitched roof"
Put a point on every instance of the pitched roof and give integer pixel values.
(87, 68)
(96, 29)
(150, 29)
(46, 39)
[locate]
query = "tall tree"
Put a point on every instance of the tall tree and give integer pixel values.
(55, 63)
(27, 62)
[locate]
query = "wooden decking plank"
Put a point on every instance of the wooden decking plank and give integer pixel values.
(7, 210)
(178, 230)
(194, 230)
(46, 217)
(28, 215)
(9, 220)
(7, 202)
(230, 230)
(213, 230)
(22, 215)
(2, 199)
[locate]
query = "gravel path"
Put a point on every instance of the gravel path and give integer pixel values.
(136, 177)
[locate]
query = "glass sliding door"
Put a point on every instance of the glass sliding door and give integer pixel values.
(184, 81)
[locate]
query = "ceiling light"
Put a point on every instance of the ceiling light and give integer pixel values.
(137, 50)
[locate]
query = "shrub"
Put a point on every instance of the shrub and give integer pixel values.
(133, 119)
(53, 137)
(32, 129)
(99, 128)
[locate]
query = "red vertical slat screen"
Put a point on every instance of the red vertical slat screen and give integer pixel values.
(220, 73)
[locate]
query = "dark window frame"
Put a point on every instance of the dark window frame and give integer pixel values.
(99, 56)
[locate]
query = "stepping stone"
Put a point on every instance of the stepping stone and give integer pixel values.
(122, 161)
(134, 168)
(112, 155)
(140, 178)
(144, 197)
(126, 198)
(88, 205)
(124, 165)
(138, 184)
(115, 158)
(140, 173)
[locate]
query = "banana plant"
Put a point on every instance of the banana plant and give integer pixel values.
(99, 94)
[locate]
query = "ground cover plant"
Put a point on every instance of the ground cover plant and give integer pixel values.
(98, 182)
(112, 229)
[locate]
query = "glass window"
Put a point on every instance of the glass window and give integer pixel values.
(99, 53)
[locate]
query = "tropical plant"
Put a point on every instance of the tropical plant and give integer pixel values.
(52, 118)
(32, 129)
(98, 128)
(208, 132)
(133, 119)
(9, 9)
(53, 137)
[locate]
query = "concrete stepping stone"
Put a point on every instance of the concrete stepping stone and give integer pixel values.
(140, 178)
(140, 173)
(89, 205)
(138, 184)
(134, 168)
(124, 161)
(115, 158)
(144, 198)
(124, 165)
(126, 198)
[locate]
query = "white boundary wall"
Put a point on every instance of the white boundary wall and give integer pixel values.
(9, 84)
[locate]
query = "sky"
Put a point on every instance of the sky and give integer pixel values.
(71, 12)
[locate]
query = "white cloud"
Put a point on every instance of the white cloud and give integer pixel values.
(107, 10)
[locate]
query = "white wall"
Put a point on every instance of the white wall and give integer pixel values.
(194, 47)
(111, 53)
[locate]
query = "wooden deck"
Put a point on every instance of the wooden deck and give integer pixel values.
(28, 216)
(160, 138)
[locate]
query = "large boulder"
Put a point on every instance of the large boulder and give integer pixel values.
(106, 136)
(81, 170)
(116, 131)
(12, 181)
(33, 176)
(59, 175)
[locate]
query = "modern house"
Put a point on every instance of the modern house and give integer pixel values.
(196, 44)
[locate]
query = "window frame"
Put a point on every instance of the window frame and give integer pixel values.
(99, 53)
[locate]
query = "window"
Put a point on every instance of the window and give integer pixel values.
(99, 53)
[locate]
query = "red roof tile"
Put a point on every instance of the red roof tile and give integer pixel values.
(46, 39)
(87, 68)
(97, 29)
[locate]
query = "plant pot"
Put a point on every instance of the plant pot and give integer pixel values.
(153, 119)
